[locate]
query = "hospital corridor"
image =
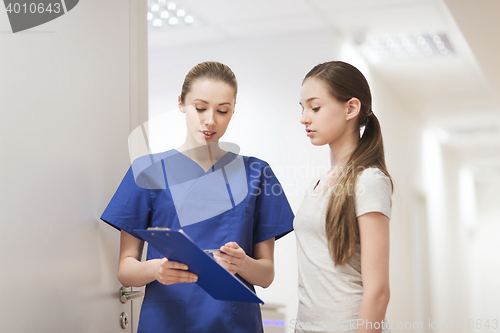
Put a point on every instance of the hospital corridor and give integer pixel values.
(85, 93)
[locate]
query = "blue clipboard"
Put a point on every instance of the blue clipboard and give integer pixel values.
(212, 277)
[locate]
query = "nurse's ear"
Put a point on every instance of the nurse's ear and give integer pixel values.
(181, 105)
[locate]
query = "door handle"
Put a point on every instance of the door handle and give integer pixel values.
(126, 294)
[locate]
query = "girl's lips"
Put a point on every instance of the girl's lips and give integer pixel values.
(310, 132)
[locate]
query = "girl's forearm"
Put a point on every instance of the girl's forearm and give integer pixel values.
(372, 313)
(258, 272)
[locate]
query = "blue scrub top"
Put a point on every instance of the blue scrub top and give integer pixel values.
(239, 199)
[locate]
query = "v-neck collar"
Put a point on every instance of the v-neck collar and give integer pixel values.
(224, 160)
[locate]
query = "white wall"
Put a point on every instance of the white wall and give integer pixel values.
(483, 252)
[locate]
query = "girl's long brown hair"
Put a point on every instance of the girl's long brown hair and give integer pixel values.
(344, 82)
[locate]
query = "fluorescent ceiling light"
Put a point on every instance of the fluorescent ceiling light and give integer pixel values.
(164, 14)
(406, 46)
(170, 13)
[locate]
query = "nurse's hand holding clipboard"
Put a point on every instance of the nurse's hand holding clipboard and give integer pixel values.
(231, 257)
(171, 272)
(256, 270)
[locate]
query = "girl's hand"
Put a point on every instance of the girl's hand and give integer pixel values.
(170, 272)
(232, 257)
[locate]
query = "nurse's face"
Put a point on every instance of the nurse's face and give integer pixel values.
(208, 106)
(324, 117)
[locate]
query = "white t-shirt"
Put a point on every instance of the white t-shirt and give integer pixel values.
(329, 296)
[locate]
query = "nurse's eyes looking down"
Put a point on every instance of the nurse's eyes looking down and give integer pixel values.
(201, 108)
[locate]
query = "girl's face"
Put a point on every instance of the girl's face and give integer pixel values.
(323, 115)
(208, 106)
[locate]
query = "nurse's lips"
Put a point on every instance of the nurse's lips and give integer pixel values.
(208, 134)
(310, 132)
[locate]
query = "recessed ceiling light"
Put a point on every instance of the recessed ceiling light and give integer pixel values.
(405, 46)
(164, 14)
(157, 23)
(171, 13)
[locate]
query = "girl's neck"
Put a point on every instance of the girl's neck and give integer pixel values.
(341, 150)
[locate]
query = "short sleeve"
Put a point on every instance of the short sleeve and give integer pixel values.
(373, 193)
(273, 215)
(129, 207)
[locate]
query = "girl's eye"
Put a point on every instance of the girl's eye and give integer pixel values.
(223, 112)
(316, 109)
(200, 110)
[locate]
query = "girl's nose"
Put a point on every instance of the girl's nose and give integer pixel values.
(304, 119)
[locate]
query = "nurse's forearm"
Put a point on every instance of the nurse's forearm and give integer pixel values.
(258, 272)
(135, 273)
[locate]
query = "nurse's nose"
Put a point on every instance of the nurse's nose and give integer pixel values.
(209, 119)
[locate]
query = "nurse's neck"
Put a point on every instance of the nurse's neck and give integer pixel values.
(206, 155)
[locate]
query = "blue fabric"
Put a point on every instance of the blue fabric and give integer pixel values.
(246, 214)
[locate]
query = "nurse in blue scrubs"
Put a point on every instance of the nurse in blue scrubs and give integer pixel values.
(220, 199)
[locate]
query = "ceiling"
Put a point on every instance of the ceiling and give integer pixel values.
(459, 92)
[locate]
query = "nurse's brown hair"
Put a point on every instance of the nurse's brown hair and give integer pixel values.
(209, 70)
(344, 82)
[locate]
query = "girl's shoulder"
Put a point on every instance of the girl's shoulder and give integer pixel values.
(373, 192)
(372, 172)
(373, 175)
(372, 180)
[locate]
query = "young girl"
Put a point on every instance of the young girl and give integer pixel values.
(342, 226)
(218, 198)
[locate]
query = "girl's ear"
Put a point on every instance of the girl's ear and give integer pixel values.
(181, 105)
(353, 108)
